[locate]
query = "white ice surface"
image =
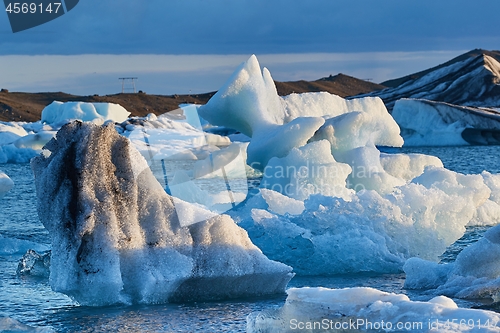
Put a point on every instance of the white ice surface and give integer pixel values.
(10, 132)
(368, 310)
(370, 231)
(60, 113)
(474, 275)
(116, 237)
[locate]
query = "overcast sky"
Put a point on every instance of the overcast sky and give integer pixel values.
(422, 32)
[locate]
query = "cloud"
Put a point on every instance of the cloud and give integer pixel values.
(183, 74)
(259, 26)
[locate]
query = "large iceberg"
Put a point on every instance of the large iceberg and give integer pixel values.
(360, 209)
(368, 232)
(249, 103)
(116, 236)
(430, 123)
(368, 310)
(6, 184)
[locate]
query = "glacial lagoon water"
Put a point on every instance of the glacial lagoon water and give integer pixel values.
(31, 301)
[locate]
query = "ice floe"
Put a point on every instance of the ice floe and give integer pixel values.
(368, 310)
(475, 273)
(116, 236)
(59, 113)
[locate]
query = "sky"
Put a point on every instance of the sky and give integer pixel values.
(181, 46)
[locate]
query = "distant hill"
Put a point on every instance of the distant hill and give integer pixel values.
(341, 85)
(471, 79)
(471, 54)
(18, 106)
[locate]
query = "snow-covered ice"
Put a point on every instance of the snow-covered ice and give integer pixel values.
(60, 113)
(363, 210)
(21, 141)
(368, 310)
(370, 232)
(116, 237)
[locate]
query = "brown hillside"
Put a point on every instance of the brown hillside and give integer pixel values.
(471, 54)
(341, 85)
(17, 106)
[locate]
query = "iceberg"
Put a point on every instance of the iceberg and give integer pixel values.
(10, 132)
(20, 141)
(59, 113)
(6, 184)
(19, 144)
(370, 232)
(249, 103)
(368, 310)
(34, 264)
(117, 238)
(360, 210)
(475, 274)
(430, 123)
(194, 166)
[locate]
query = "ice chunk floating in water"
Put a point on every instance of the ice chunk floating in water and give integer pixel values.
(116, 237)
(475, 273)
(60, 113)
(368, 310)
(362, 210)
